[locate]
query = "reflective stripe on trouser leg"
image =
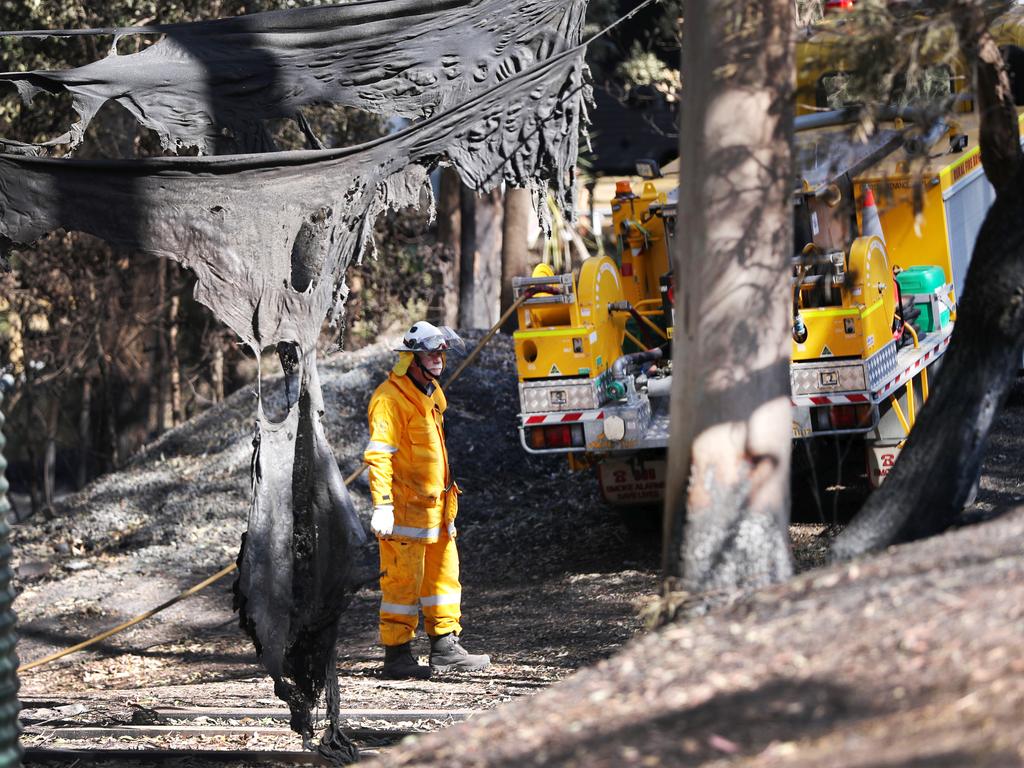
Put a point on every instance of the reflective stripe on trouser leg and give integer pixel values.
(441, 593)
(401, 565)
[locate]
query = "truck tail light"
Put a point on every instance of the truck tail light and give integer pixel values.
(555, 436)
(849, 416)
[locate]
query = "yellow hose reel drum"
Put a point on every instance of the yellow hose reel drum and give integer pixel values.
(599, 285)
(872, 290)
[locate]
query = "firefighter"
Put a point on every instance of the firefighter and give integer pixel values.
(415, 503)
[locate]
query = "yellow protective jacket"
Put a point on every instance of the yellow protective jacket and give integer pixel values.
(408, 460)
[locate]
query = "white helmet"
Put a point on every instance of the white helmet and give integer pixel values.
(425, 337)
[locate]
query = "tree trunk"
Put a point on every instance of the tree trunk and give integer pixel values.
(30, 443)
(174, 361)
(480, 264)
(467, 256)
(729, 451)
(84, 434)
(165, 414)
(449, 233)
(52, 422)
(487, 260)
(515, 252)
(109, 405)
(940, 463)
(490, 218)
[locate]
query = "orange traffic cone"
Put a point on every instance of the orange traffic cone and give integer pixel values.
(870, 224)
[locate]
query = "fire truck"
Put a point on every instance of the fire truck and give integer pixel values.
(593, 352)
(875, 282)
(884, 231)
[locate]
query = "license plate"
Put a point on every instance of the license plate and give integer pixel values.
(632, 481)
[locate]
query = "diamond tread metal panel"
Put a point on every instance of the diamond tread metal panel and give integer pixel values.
(827, 376)
(882, 365)
(570, 395)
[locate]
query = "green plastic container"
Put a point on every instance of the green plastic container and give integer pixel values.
(920, 282)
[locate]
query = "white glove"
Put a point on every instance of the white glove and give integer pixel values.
(451, 529)
(383, 520)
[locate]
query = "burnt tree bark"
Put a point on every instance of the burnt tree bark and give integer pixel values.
(927, 488)
(729, 450)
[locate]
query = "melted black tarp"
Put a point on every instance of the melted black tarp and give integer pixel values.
(210, 84)
(269, 238)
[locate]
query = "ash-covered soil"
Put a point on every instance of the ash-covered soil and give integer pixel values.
(837, 662)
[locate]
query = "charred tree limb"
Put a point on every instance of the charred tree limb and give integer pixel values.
(938, 467)
(933, 477)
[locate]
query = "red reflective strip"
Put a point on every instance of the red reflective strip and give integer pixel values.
(535, 420)
(572, 417)
(820, 400)
(858, 398)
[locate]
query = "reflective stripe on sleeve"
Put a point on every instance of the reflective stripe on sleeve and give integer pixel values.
(377, 445)
(404, 610)
(416, 533)
(452, 598)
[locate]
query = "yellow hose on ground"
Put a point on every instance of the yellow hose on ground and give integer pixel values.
(121, 627)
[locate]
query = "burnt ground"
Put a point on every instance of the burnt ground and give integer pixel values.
(909, 658)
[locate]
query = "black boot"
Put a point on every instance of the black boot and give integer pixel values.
(446, 652)
(399, 664)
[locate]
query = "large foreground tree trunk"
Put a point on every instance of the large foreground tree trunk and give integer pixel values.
(728, 475)
(927, 488)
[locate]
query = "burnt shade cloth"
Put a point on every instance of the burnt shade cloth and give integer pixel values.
(210, 84)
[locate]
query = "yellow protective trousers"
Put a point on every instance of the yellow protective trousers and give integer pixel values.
(419, 576)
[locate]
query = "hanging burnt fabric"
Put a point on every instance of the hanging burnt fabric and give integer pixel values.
(269, 237)
(210, 84)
